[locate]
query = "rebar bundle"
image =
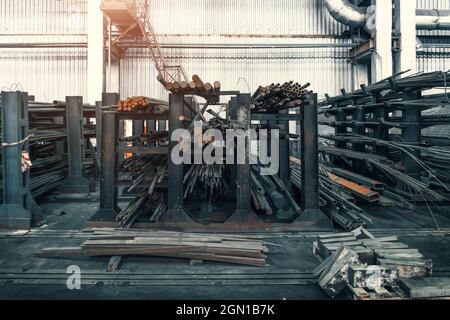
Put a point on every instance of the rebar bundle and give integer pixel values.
(207, 179)
(334, 201)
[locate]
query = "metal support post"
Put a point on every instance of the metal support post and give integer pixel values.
(359, 116)
(176, 171)
(243, 170)
(75, 182)
(412, 134)
(98, 126)
(284, 150)
(310, 158)
(112, 99)
(138, 127)
(109, 169)
(15, 212)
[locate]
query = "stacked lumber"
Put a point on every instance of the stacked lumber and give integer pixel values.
(372, 268)
(235, 249)
(195, 87)
(143, 104)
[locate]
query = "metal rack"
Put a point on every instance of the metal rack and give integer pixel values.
(307, 143)
(391, 110)
(111, 151)
(19, 111)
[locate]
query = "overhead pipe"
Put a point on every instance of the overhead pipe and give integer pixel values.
(347, 13)
(433, 19)
(356, 17)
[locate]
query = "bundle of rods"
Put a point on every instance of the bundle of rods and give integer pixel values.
(421, 81)
(207, 179)
(146, 139)
(389, 168)
(276, 97)
(195, 87)
(334, 202)
(139, 167)
(148, 202)
(270, 195)
(143, 104)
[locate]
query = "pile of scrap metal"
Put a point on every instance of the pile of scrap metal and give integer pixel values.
(235, 249)
(367, 267)
(143, 104)
(276, 97)
(337, 198)
(144, 172)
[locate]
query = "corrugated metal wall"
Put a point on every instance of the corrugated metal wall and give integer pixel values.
(53, 73)
(432, 59)
(47, 73)
(230, 22)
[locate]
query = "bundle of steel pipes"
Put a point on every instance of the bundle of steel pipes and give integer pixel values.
(276, 97)
(143, 104)
(195, 87)
(270, 195)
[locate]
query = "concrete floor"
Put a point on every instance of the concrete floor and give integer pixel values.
(288, 275)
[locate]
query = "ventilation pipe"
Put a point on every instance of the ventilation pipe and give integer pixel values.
(347, 13)
(356, 17)
(433, 19)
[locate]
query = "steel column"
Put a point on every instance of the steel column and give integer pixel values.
(75, 182)
(412, 134)
(310, 157)
(98, 126)
(112, 99)
(243, 170)
(109, 169)
(176, 172)
(15, 212)
(284, 150)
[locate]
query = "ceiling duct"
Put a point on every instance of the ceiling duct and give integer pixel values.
(433, 19)
(356, 17)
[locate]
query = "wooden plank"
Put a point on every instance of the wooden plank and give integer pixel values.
(62, 252)
(438, 287)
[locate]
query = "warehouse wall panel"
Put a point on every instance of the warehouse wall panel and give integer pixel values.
(42, 47)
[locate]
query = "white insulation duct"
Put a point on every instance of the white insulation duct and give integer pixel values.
(356, 17)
